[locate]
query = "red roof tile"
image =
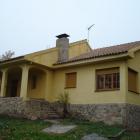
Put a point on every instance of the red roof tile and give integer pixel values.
(100, 52)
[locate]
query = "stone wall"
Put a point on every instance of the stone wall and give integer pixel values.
(126, 114)
(32, 109)
(132, 120)
(108, 113)
(13, 106)
(41, 109)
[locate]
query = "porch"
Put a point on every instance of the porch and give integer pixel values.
(26, 80)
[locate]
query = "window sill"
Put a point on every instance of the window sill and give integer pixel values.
(133, 91)
(69, 87)
(102, 90)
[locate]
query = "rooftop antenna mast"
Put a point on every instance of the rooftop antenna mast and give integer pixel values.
(89, 28)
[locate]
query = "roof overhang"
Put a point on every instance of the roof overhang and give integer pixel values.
(124, 56)
(12, 61)
(19, 61)
(132, 52)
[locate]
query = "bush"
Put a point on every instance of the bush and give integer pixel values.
(64, 100)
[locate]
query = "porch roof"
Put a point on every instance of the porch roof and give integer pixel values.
(20, 60)
(12, 59)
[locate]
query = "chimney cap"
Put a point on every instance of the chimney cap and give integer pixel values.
(62, 35)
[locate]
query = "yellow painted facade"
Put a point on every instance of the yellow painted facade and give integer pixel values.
(50, 56)
(134, 98)
(51, 79)
(78, 48)
(46, 57)
(85, 92)
(38, 92)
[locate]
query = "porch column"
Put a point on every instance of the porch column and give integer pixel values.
(24, 82)
(3, 83)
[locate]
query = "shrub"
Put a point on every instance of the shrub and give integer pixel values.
(64, 100)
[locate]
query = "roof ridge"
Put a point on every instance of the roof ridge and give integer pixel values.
(117, 45)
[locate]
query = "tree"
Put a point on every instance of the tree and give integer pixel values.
(7, 55)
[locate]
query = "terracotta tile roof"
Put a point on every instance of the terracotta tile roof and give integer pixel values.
(106, 51)
(11, 59)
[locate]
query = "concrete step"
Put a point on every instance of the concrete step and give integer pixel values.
(53, 117)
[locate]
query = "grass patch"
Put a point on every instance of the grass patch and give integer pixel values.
(22, 129)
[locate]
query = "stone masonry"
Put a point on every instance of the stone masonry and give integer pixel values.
(63, 45)
(124, 114)
(108, 113)
(132, 120)
(32, 109)
(13, 106)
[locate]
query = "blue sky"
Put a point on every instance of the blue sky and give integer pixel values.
(31, 25)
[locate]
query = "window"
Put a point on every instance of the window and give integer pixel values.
(108, 79)
(33, 82)
(70, 80)
(132, 80)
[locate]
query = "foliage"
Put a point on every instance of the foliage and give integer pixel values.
(22, 129)
(64, 100)
(7, 55)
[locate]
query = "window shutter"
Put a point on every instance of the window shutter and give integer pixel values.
(71, 80)
(132, 80)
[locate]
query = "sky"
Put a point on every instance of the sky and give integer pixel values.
(31, 25)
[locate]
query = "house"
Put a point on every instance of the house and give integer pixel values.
(103, 84)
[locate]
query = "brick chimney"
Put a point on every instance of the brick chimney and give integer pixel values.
(63, 44)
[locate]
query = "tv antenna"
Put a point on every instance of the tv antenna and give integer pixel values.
(89, 28)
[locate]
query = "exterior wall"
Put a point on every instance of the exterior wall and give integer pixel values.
(132, 120)
(15, 106)
(46, 57)
(107, 113)
(132, 97)
(50, 56)
(39, 92)
(78, 48)
(33, 109)
(124, 114)
(12, 106)
(44, 85)
(49, 86)
(85, 92)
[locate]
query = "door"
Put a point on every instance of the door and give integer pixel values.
(14, 87)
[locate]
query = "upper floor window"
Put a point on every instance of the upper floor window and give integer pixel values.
(132, 80)
(108, 79)
(70, 81)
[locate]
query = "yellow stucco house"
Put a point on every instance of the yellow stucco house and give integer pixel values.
(103, 84)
